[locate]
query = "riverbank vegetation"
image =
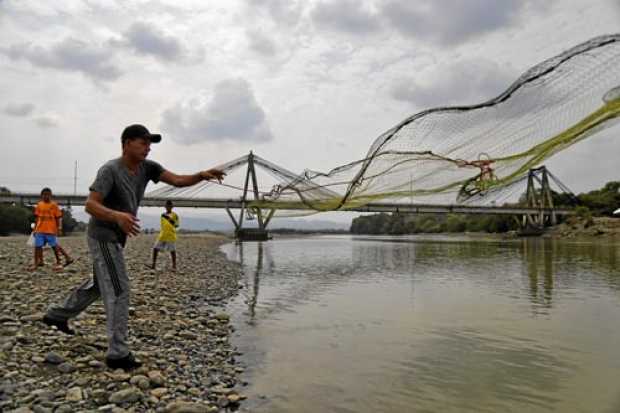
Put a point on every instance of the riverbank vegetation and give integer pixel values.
(597, 203)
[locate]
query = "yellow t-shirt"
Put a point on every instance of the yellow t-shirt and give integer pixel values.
(47, 213)
(169, 224)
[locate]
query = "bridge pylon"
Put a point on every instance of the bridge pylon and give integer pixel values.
(251, 234)
(539, 197)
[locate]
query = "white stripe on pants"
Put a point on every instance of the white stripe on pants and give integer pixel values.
(112, 284)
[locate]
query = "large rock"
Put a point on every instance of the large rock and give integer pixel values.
(187, 407)
(54, 358)
(159, 392)
(21, 410)
(128, 395)
(43, 395)
(66, 368)
(223, 317)
(156, 378)
(141, 381)
(74, 394)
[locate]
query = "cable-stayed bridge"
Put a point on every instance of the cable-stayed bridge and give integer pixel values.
(256, 201)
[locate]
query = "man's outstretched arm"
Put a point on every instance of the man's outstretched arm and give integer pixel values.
(188, 180)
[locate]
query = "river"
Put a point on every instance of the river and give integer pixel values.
(429, 324)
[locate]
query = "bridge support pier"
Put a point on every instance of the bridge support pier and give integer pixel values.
(541, 199)
(251, 234)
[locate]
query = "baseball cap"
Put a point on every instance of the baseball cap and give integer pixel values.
(139, 131)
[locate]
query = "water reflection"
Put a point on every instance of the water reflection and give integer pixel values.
(304, 273)
(488, 264)
(368, 324)
(538, 259)
(253, 286)
(380, 256)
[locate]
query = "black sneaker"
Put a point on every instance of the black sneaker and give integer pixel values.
(126, 363)
(60, 325)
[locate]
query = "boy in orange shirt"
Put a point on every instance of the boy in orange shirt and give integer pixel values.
(46, 229)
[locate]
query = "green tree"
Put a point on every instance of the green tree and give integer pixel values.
(602, 201)
(455, 223)
(15, 219)
(397, 224)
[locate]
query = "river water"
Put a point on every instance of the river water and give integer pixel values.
(429, 324)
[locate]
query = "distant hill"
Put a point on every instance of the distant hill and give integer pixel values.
(223, 223)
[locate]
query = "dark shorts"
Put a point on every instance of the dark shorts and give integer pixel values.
(41, 240)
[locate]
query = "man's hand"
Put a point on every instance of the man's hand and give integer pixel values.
(128, 223)
(213, 174)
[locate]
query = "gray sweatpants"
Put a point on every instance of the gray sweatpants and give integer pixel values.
(110, 282)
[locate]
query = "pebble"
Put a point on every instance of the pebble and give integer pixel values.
(186, 407)
(159, 392)
(43, 395)
(53, 358)
(66, 368)
(129, 395)
(11, 374)
(223, 317)
(74, 394)
(41, 409)
(96, 364)
(156, 378)
(21, 410)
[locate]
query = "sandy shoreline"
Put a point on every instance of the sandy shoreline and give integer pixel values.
(176, 328)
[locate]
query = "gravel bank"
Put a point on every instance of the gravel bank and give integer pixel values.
(177, 330)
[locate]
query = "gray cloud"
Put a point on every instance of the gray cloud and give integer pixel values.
(350, 16)
(146, 39)
(232, 114)
(69, 55)
(464, 83)
(451, 22)
(47, 121)
(286, 12)
(18, 109)
(260, 43)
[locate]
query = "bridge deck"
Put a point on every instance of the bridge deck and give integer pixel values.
(23, 198)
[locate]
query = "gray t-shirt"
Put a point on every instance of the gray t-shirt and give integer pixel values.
(121, 191)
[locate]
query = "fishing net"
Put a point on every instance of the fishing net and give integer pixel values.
(462, 154)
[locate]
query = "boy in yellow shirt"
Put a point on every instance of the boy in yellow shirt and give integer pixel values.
(166, 241)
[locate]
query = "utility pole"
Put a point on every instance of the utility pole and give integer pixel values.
(75, 179)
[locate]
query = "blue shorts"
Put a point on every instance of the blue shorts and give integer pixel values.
(41, 239)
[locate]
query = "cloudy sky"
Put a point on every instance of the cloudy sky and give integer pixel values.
(305, 84)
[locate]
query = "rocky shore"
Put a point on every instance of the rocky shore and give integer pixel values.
(177, 329)
(600, 227)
